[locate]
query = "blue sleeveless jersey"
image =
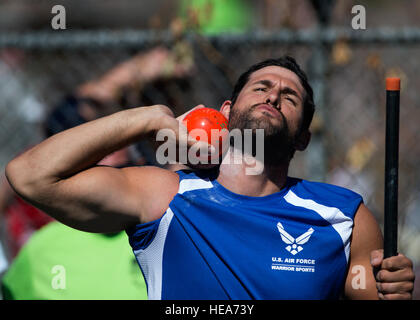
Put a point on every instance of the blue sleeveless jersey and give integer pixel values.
(212, 243)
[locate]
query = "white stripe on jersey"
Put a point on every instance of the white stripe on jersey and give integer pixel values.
(151, 258)
(193, 184)
(338, 220)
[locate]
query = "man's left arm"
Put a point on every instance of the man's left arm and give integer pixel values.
(369, 275)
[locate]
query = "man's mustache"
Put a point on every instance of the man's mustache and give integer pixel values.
(268, 104)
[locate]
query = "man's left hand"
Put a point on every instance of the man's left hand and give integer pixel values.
(394, 276)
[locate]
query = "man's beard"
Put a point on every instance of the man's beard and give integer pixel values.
(278, 142)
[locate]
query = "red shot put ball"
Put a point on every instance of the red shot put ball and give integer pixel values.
(213, 125)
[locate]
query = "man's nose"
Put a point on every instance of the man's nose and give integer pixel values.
(273, 98)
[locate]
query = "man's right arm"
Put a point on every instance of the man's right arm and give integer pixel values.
(59, 175)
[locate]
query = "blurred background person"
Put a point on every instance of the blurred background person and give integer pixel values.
(91, 275)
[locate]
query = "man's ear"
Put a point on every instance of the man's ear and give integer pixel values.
(303, 140)
(225, 108)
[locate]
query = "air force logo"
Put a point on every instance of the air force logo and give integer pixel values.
(294, 245)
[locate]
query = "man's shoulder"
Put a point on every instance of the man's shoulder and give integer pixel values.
(152, 189)
(326, 194)
(325, 187)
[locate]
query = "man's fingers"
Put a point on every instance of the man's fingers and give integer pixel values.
(395, 287)
(392, 263)
(180, 146)
(181, 117)
(205, 148)
(376, 257)
(396, 263)
(164, 109)
(394, 296)
(189, 142)
(395, 280)
(406, 274)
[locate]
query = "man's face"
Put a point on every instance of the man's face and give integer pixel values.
(271, 100)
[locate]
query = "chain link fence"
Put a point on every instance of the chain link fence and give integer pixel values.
(37, 70)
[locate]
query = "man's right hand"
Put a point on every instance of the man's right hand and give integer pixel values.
(166, 125)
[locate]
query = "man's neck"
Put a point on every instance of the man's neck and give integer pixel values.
(247, 176)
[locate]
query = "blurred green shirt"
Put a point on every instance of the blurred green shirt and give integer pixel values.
(59, 262)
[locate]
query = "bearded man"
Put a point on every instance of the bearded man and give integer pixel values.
(220, 233)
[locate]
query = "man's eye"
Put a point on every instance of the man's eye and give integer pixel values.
(260, 89)
(291, 100)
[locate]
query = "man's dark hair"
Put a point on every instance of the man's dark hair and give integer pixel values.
(288, 63)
